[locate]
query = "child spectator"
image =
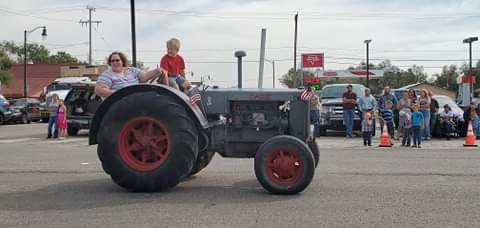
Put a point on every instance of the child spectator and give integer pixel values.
(62, 120)
(173, 63)
(407, 125)
(387, 117)
(417, 125)
(367, 129)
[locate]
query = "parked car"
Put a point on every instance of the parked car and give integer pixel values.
(5, 111)
(81, 102)
(25, 110)
(457, 112)
(331, 107)
(399, 92)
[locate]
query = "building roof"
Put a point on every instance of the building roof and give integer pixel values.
(38, 77)
(410, 86)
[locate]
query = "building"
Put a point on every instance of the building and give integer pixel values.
(435, 89)
(39, 76)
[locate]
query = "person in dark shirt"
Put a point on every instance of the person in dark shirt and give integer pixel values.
(434, 107)
(349, 104)
(387, 118)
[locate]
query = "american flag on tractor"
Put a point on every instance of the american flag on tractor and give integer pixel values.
(195, 99)
(306, 95)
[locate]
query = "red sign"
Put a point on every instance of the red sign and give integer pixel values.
(312, 60)
(309, 80)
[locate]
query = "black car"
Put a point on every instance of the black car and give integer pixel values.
(81, 102)
(25, 110)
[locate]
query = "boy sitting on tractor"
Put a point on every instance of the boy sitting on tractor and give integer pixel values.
(173, 63)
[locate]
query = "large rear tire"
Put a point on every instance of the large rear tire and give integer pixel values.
(315, 151)
(284, 165)
(147, 142)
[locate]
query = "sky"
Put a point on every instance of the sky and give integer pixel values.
(423, 32)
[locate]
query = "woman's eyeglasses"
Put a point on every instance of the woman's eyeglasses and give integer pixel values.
(115, 60)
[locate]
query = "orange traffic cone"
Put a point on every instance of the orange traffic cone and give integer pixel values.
(470, 138)
(385, 138)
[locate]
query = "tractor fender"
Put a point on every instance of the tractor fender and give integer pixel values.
(194, 111)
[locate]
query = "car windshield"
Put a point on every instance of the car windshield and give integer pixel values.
(337, 91)
(18, 102)
(446, 100)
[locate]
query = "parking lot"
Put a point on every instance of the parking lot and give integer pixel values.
(51, 183)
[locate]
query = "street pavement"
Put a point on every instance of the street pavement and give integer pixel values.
(51, 183)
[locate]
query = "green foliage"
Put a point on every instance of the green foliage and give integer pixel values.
(291, 79)
(36, 54)
(62, 57)
(448, 78)
(5, 65)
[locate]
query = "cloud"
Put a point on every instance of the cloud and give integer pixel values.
(211, 31)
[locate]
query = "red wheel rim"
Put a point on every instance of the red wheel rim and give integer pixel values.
(144, 143)
(284, 166)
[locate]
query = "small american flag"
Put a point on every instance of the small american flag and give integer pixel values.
(195, 99)
(306, 95)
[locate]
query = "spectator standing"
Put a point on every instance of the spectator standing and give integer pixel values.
(387, 118)
(388, 96)
(407, 126)
(404, 105)
(417, 125)
(472, 114)
(434, 108)
(412, 96)
(349, 103)
(367, 128)
(368, 103)
(52, 107)
(424, 102)
(315, 110)
(62, 120)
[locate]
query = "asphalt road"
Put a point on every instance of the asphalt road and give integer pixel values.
(47, 183)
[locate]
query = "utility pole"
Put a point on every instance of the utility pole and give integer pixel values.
(262, 58)
(89, 22)
(367, 42)
(134, 42)
(273, 72)
(295, 51)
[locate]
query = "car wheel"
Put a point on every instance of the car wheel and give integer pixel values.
(72, 131)
(25, 119)
(2, 120)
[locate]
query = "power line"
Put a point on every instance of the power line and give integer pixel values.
(39, 17)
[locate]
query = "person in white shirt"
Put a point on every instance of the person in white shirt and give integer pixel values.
(446, 121)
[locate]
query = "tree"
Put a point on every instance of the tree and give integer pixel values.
(291, 79)
(62, 57)
(36, 54)
(448, 78)
(5, 65)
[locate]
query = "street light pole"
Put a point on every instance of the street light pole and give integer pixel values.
(367, 42)
(44, 35)
(470, 40)
(273, 70)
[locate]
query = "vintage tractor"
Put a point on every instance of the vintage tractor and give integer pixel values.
(151, 137)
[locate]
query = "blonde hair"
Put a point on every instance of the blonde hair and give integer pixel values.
(174, 42)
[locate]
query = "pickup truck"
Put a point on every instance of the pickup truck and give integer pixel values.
(331, 108)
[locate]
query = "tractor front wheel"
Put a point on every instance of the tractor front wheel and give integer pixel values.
(284, 165)
(147, 142)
